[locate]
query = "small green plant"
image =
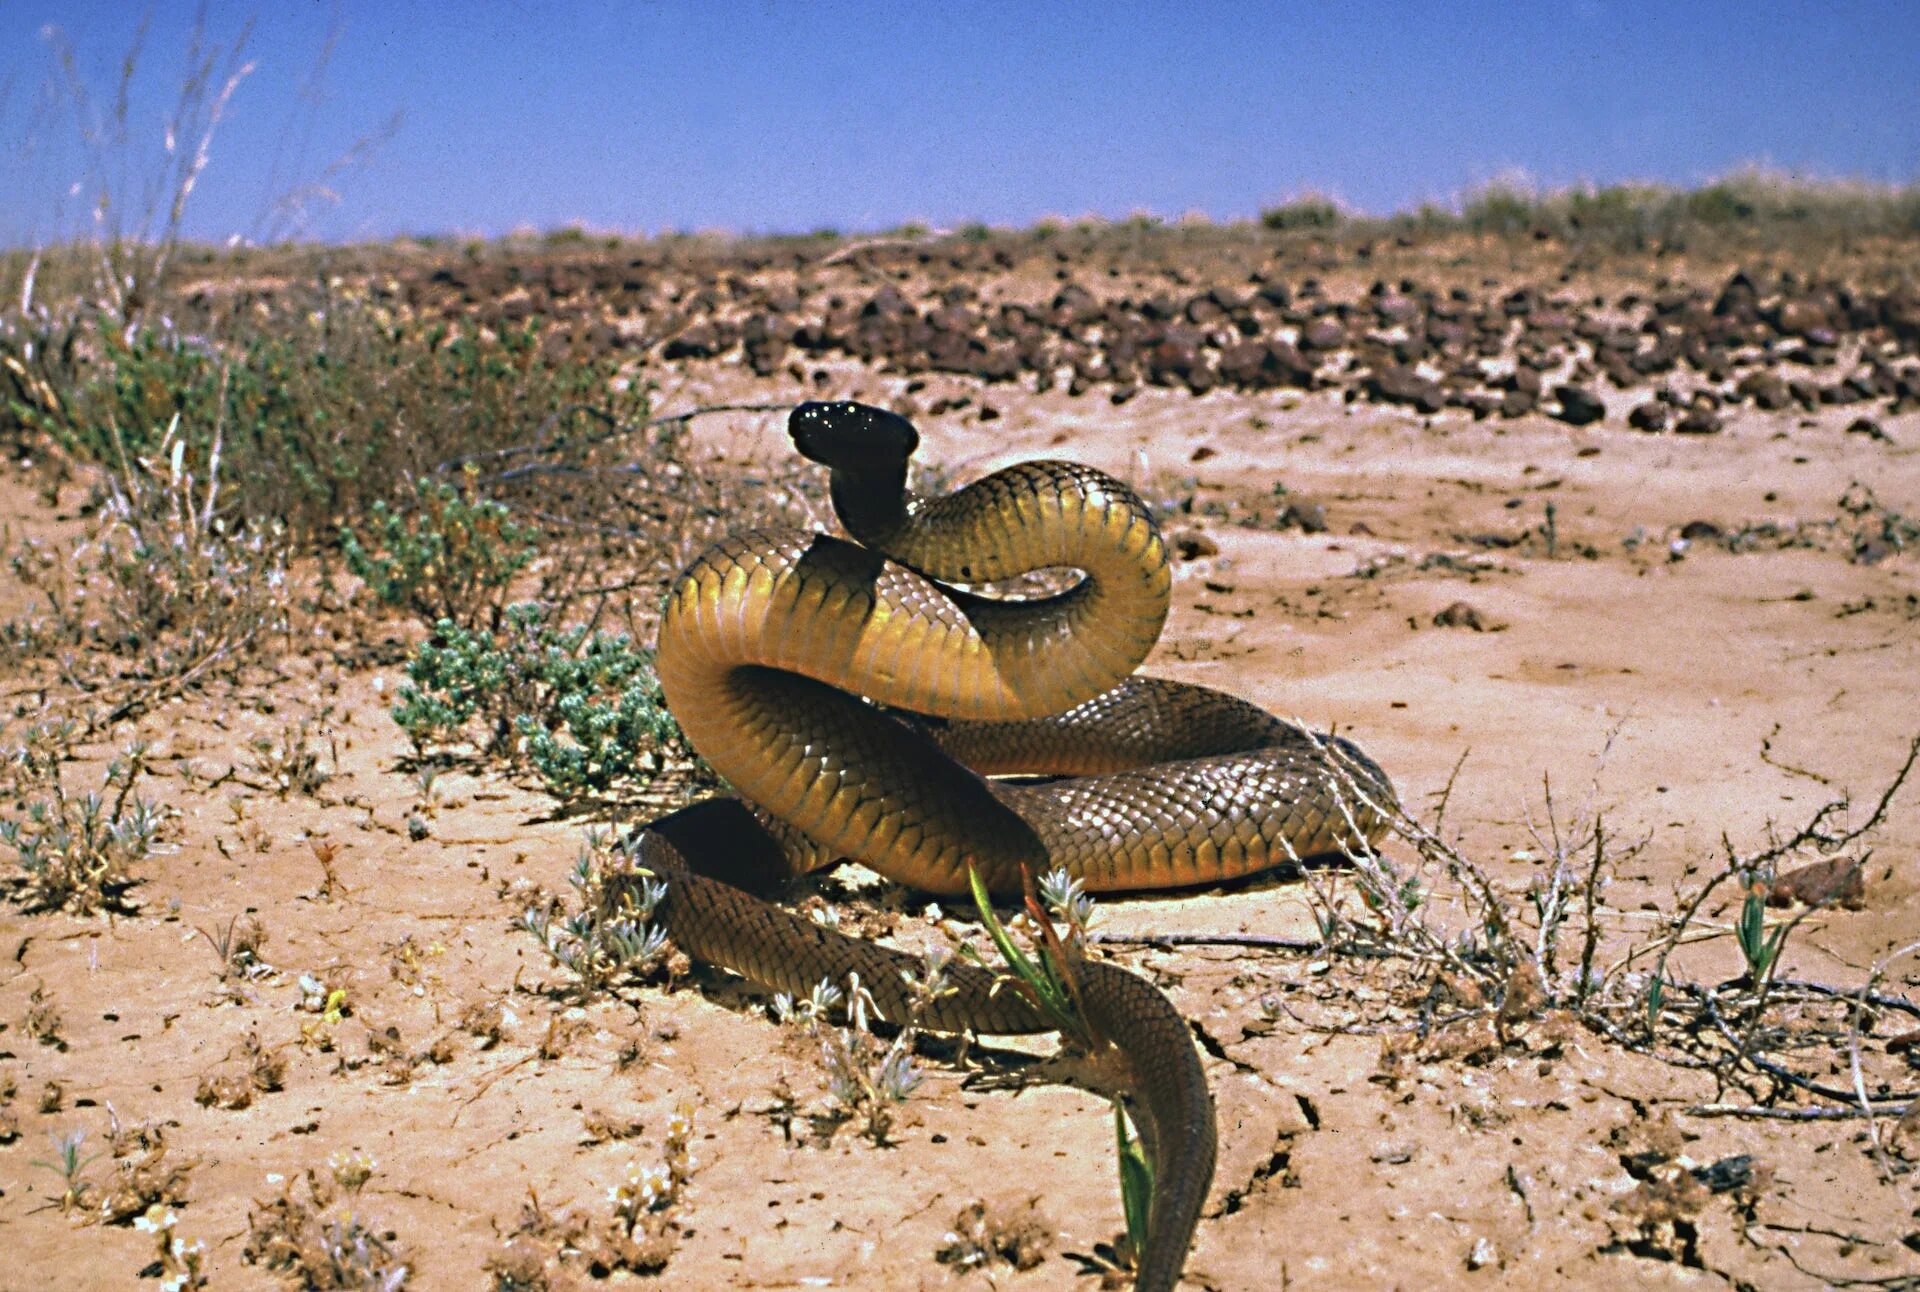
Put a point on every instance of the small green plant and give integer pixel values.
(584, 709)
(865, 1080)
(70, 1163)
(1758, 947)
(161, 577)
(658, 1186)
(1503, 206)
(449, 556)
(78, 852)
(237, 947)
(1047, 980)
(289, 765)
(1136, 1180)
(611, 933)
(34, 763)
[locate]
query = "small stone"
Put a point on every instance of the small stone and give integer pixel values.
(1650, 416)
(1311, 517)
(1461, 615)
(1323, 334)
(1837, 881)
(1191, 545)
(1578, 405)
(417, 827)
(1698, 420)
(1399, 384)
(1871, 429)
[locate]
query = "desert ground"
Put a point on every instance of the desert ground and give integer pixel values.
(1532, 618)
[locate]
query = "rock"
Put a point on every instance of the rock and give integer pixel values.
(1461, 615)
(1323, 334)
(1517, 403)
(1650, 416)
(1695, 530)
(1481, 403)
(1393, 308)
(1173, 361)
(1399, 384)
(1243, 363)
(1311, 517)
(1698, 420)
(1868, 427)
(700, 341)
(1766, 389)
(1739, 299)
(1578, 405)
(1838, 881)
(886, 303)
(1800, 318)
(1526, 380)
(1191, 545)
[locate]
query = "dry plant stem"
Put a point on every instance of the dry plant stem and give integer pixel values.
(1896, 1102)
(1591, 941)
(1867, 1109)
(1248, 940)
(1763, 1112)
(134, 254)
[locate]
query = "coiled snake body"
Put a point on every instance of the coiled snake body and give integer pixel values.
(852, 696)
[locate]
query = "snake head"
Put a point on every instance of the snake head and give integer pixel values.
(852, 437)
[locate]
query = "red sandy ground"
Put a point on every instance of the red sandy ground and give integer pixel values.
(1493, 1170)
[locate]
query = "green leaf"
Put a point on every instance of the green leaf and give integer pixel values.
(1136, 1180)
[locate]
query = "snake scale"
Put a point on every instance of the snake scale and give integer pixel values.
(858, 703)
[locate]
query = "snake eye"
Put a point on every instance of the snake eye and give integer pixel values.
(851, 436)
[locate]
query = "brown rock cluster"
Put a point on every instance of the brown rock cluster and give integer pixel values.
(1106, 324)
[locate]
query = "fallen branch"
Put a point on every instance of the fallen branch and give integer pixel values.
(1816, 1113)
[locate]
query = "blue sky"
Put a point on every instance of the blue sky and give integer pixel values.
(778, 116)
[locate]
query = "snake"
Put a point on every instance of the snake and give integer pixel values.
(864, 698)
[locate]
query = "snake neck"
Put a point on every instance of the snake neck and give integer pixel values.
(874, 505)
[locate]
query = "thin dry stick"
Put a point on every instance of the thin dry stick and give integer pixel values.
(1874, 974)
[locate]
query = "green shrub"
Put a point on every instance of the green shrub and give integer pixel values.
(1308, 211)
(449, 556)
(322, 412)
(1501, 207)
(583, 708)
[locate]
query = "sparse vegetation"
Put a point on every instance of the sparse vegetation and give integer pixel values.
(865, 1080)
(611, 933)
(79, 851)
(1509, 966)
(319, 1242)
(449, 556)
(582, 708)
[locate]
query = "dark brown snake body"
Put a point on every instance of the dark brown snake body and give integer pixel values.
(860, 702)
